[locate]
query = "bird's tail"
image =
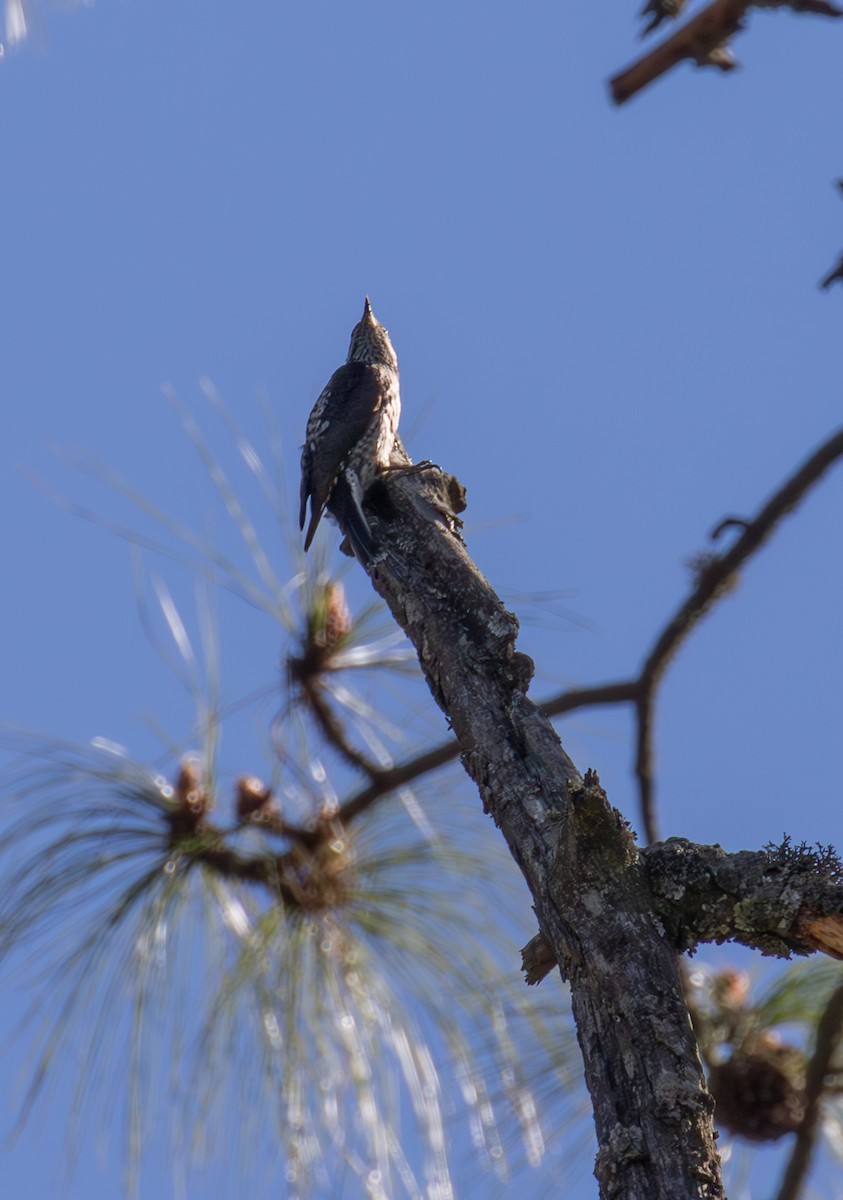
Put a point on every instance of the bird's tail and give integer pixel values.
(347, 507)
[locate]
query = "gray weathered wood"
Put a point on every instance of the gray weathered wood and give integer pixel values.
(591, 890)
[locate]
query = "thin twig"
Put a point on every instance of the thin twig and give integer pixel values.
(391, 778)
(834, 274)
(644, 764)
(829, 1032)
(332, 728)
(387, 779)
(713, 582)
(623, 692)
(720, 572)
(727, 523)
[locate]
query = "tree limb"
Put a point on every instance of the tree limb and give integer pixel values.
(715, 577)
(653, 1113)
(782, 900)
(829, 1032)
(768, 900)
(697, 40)
(703, 40)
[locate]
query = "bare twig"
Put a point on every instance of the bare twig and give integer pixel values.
(333, 730)
(829, 1032)
(713, 581)
(834, 274)
(660, 10)
(623, 692)
(391, 778)
(720, 572)
(644, 764)
(727, 523)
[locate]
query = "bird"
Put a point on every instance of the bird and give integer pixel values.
(350, 435)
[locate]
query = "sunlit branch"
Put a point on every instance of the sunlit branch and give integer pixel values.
(703, 40)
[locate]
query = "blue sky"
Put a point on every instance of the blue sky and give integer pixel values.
(607, 323)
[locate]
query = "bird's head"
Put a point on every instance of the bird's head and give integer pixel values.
(370, 341)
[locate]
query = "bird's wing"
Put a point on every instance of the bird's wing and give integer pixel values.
(305, 483)
(340, 417)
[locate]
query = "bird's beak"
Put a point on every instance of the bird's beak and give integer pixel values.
(367, 310)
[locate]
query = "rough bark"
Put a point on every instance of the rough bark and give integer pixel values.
(782, 900)
(590, 886)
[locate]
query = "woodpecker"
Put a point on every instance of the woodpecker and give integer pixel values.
(351, 433)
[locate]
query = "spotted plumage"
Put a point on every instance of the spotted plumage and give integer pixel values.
(351, 432)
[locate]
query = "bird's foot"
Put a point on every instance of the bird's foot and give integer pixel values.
(411, 468)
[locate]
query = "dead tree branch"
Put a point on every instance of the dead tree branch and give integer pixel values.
(595, 893)
(715, 577)
(703, 40)
(652, 1110)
